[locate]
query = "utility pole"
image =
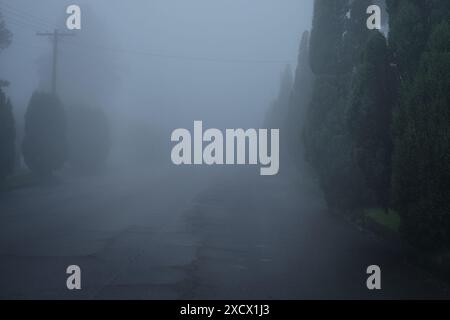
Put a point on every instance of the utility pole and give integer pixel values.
(55, 37)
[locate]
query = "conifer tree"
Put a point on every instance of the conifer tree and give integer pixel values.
(7, 124)
(369, 117)
(45, 144)
(7, 137)
(421, 172)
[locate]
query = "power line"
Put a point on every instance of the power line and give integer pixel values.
(26, 15)
(21, 23)
(12, 15)
(97, 47)
(15, 21)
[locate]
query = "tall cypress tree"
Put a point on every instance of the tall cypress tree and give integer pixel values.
(5, 34)
(45, 143)
(419, 44)
(409, 28)
(369, 117)
(7, 137)
(300, 98)
(326, 35)
(421, 172)
(355, 34)
(7, 126)
(337, 37)
(277, 115)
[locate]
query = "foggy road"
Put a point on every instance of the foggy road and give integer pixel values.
(214, 129)
(192, 233)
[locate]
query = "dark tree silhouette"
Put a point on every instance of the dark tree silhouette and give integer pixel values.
(277, 114)
(369, 117)
(7, 137)
(45, 143)
(5, 35)
(7, 125)
(409, 28)
(328, 144)
(299, 99)
(421, 163)
(326, 35)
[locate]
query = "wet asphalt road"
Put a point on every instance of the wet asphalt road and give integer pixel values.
(193, 233)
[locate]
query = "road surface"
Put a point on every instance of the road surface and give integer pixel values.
(193, 233)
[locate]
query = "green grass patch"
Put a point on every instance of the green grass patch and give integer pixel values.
(390, 220)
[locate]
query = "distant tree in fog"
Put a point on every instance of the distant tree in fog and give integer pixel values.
(5, 35)
(300, 97)
(7, 125)
(89, 137)
(7, 137)
(276, 116)
(45, 143)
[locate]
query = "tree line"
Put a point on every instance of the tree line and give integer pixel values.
(53, 134)
(370, 111)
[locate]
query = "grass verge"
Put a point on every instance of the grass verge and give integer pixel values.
(390, 220)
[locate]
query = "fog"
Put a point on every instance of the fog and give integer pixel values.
(151, 67)
(161, 64)
(87, 173)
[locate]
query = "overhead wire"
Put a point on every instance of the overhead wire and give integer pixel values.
(23, 19)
